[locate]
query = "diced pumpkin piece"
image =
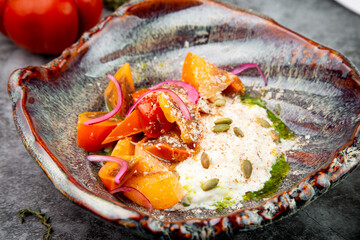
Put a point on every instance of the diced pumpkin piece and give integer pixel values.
(236, 87)
(168, 152)
(90, 137)
(204, 76)
(168, 147)
(150, 164)
(109, 171)
(129, 126)
(168, 108)
(123, 147)
(123, 76)
(161, 188)
(147, 163)
(173, 114)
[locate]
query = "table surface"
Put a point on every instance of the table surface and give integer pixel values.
(23, 184)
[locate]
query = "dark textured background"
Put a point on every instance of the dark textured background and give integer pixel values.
(336, 215)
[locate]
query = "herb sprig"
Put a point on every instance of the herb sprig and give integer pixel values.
(44, 220)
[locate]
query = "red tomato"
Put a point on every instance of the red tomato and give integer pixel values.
(89, 13)
(47, 26)
(152, 117)
(90, 137)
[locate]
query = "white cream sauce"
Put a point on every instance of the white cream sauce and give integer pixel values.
(226, 152)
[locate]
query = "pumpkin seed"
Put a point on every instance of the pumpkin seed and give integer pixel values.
(246, 167)
(238, 132)
(263, 122)
(205, 160)
(210, 184)
(274, 135)
(223, 121)
(221, 127)
(220, 102)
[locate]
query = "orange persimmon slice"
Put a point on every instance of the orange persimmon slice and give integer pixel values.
(236, 87)
(129, 126)
(123, 149)
(123, 76)
(162, 189)
(108, 172)
(147, 163)
(204, 76)
(168, 152)
(90, 137)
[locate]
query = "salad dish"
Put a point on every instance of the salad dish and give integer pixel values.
(196, 142)
(292, 137)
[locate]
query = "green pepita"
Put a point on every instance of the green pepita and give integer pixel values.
(220, 102)
(246, 167)
(238, 132)
(210, 184)
(223, 121)
(221, 127)
(274, 135)
(205, 160)
(263, 122)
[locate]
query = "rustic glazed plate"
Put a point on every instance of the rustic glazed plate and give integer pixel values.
(317, 89)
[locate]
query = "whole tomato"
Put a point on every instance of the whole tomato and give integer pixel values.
(47, 26)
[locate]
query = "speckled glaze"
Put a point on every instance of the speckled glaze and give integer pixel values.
(317, 89)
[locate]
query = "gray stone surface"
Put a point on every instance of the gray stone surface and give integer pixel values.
(23, 184)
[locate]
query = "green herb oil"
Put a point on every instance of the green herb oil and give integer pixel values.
(221, 205)
(283, 130)
(278, 172)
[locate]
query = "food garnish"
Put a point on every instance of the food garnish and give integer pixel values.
(246, 66)
(193, 95)
(43, 219)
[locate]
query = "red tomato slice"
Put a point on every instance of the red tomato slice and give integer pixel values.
(90, 137)
(153, 120)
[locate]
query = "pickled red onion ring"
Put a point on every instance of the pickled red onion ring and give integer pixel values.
(140, 196)
(245, 66)
(185, 111)
(192, 93)
(112, 112)
(123, 163)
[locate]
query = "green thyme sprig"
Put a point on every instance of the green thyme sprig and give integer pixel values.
(44, 220)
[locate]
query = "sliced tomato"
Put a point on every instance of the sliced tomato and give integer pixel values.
(153, 120)
(90, 137)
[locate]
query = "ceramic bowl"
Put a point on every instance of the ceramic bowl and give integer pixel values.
(316, 87)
